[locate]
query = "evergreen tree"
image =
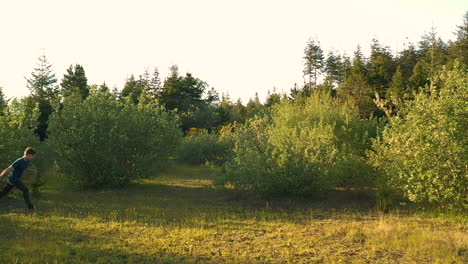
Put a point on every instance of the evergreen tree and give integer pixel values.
(43, 83)
(407, 59)
(254, 107)
(272, 98)
(420, 76)
(381, 68)
(356, 86)
(397, 88)
(3, 103)
(239, 110)
(313, 61)
(75, 82)
(346, 67)
(333, 68)
(132, 89)
(44, 93)
(151, 82)
(191, 98)
(459, 48)
(433, 51)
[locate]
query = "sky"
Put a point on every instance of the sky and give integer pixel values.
(238, 47)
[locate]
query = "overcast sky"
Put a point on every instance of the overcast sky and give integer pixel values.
(240, 47)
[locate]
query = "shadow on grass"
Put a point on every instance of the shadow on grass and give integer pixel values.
(169, 205)
(29, 241)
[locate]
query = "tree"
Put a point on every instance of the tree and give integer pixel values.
(303, 147)
(273, 98)
(356, 86)
(423, 150)
(313, 61)
(75, 82)
(420, 76)
(333, 68)
(151, 82)
(459, 48)
(43, 83)
(381, 68)
(3, 102)
(133, 89)
(433, 51)
(407, 59)
(44, 93)
(397, 88)
(190, 97)
(254, 107)
(102, 142)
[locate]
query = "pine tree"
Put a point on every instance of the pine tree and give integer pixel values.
(3, 102)
(132, 89)
(313, 61)
(433, 51)
(397, 88)
(75, 82)
(43, 83)
(407, 59)
(459, 48)
(272, 98)
(44, 93)
(333, 68)
(381, 68)
(356, 86)
(420, 77)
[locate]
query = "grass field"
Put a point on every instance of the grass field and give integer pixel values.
(179, 217)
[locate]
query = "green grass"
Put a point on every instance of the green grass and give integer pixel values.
(179, 217)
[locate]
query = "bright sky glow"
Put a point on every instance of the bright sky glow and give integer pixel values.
(240, 47)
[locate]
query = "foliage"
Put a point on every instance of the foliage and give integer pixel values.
(305, 147)
(17, 133)
(44, 93)
(313, 60)
(423, 150)
(103, 143)
(200, 149)
(75, 81)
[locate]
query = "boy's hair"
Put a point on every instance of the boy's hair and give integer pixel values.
(29, 151)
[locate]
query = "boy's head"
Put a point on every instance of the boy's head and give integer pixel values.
(29, 153)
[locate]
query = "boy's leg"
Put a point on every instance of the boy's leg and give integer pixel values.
(6, 190)
(25, 191)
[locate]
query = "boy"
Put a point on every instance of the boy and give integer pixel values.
(14, 173)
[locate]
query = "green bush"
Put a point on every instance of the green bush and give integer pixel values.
(304, 147)
(17, 132)
(423, 151)
(201, 149)
(103, 143)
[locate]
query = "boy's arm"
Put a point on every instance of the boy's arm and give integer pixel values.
(6, 172)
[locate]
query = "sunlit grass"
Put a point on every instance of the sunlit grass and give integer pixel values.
(179, 217)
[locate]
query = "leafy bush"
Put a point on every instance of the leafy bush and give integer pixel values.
(304, 147)
(423, 151)
(201, 148)
(17, 132)
(103, 143)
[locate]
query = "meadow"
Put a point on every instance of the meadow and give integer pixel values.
(181, 217)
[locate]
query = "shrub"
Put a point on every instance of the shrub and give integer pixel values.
(103, 143)
(17, 132)
(304, 147)
(201, 148)
(423, 151)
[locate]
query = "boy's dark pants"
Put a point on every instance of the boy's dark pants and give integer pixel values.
(19, 185)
